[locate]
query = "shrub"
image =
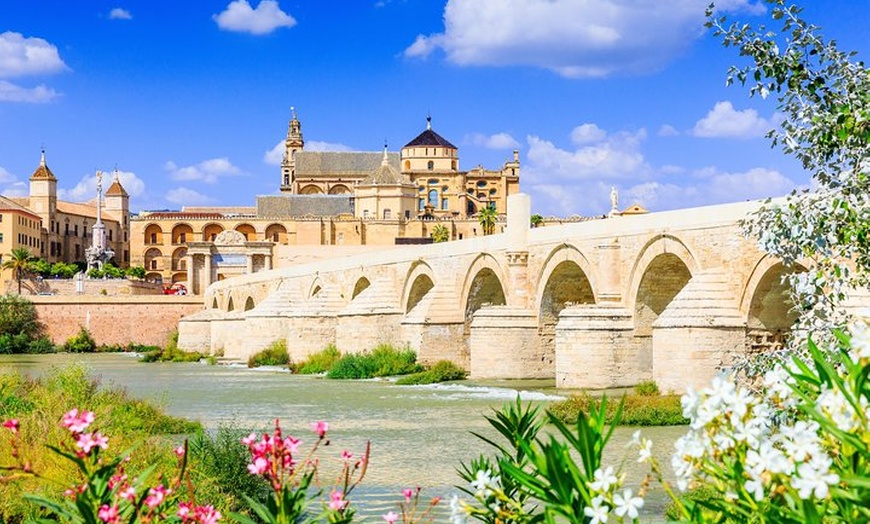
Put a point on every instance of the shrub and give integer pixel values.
(82, 342)
(319, 362)
(638, 410)
(41, 345)
(135, 272)
(274, 355)
(170, 353)
(442, 371)
(647, 388)
(383, 361)
(19, 325)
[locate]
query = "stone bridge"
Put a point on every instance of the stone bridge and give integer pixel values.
(668, 296)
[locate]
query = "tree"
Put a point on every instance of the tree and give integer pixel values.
(536, 220)
(487, 217)
(19, 263)
(440, 233)
(824, 97)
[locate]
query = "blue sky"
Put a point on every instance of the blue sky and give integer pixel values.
(189, 99)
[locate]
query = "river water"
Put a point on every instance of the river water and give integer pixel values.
(419, 434)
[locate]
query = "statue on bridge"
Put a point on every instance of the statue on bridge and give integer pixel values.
(614, 201)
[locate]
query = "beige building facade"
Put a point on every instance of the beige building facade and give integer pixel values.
(339, 200)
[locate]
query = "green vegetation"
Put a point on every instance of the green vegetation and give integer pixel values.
(40, 403)
(82, 342)
(700, 493)
(319, 362)
(487, 217)
(441, 371)
(383, 361)
(20, 329)
(171, 353)
(19, 262)
(536, 220)
(644, 407)
(274, 355)
(440, 233)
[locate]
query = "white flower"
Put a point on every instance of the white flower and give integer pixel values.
(861, 340)
(814, 477)
(627, 505)
(755, 488)
(801, 441)
(597, 513)
(645, 453)
(481, 483)
(833, 403)
(603, 480)
(458, 510)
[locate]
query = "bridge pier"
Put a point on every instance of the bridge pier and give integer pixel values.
(357, 333)
(595, 348)
(434, 341)
(504, 343)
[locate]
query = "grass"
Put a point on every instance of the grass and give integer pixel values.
(319, 362)
(171, 353)
(39, 404)
(383, 361)
(274, 355)
(643, 407)
(441, 371)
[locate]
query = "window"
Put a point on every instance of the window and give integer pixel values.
(66, 229)
(422, 204)
(387, 214)
(1, 238)
(110, 235)
(365, 213)
(407, 214)
(182, 238)
(444, 204)
(433, 198)
(76, 233)
(430, 165)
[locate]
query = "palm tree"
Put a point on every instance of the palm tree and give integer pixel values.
(19, 262)
(536, 220)
(487, 218)
(440, 233)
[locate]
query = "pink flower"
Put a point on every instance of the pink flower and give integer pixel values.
(89, 441)
(108, 514)
(129, 493)
(259, 466)
(250, 439)
(346, 455)
(337, 501)
(179, 451)
(391, 517)
(77, 423)
(292, 444)
(11, 425)
(408, 493)
(207, 515)
(320, 427)
(156, 496)
(183, 509)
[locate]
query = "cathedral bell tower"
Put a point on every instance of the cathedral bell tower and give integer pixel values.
(292, 144)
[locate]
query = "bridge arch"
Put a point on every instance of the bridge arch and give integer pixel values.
(230, 305)
(315, 288)
(482, 286)
(418, 283)
(564, 279)
(214, 303)
(659, 245)
(249, 304)
(361, 285)
(767, 305)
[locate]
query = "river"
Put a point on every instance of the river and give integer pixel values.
(419, 434)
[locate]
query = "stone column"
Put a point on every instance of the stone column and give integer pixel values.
(594, 348)
(268, 262)
(518, 225)
(207, 274)
(249, 263)
(504, 344)
(609, 275)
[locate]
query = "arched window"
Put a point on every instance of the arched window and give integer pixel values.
(430, 165)
(422, 204)
(433, 198)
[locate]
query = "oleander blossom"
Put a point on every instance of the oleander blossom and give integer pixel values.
(12, 425)
(77, 422)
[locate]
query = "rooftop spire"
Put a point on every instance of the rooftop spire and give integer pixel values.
(386, 160)
(428, 120)
(42, 158)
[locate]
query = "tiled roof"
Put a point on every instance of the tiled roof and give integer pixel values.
(385, 174)
(430, 138)
(332, 163)
(7, 204)
(43, 173)
(116, 189)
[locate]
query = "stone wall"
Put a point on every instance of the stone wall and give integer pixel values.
(114, 319)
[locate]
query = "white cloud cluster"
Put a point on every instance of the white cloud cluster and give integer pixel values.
(496, 141)
(22, 56)
(592, 38)
(182, 196)
(723, 121)
(86, 189)
(208, 171)
(239, 16)
(274, 156)
(119, 13)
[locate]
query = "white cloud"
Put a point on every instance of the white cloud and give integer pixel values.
(496, 141)
(207, 171)
(723, 121)
(16, 189)
(120, 14)
(239, 16)
(5, 176)
(593, 38)
(20, 56)
(10, 92)
(587, 134)
(668, 130)
(86, 189)
(187, 197)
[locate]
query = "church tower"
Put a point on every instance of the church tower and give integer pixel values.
(43, 191)
(292, 144)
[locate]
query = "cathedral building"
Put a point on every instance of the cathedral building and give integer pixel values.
(350, 201)
(65, 227)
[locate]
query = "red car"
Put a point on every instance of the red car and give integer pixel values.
(175, 289)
